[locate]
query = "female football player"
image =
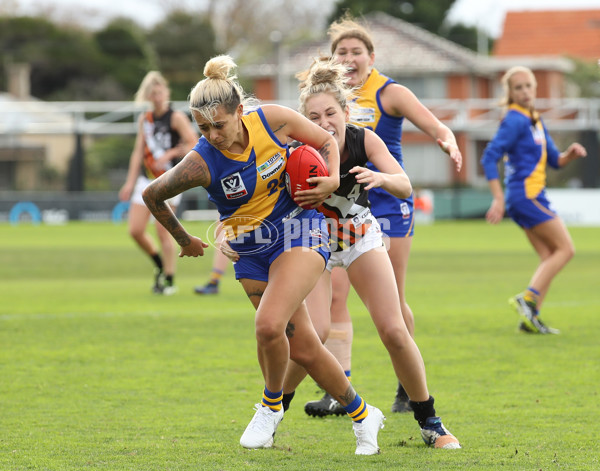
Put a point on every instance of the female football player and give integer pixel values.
(524, 138)
(357, 244)
(381, 105)
(164, 136)
(240, 160)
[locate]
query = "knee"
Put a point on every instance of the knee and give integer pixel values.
(567, 251)
(136, 233)
(304, 356)
(570, 251)
(267, 332)
(395, 336)
(299, 356)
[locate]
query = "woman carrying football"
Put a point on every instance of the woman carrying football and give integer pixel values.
(523, 137)
(357, 244)
(282, 249)
(381, 105)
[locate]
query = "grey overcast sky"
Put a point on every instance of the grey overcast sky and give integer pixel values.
(486, 14)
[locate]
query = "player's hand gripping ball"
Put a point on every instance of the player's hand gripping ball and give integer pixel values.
(303, 163)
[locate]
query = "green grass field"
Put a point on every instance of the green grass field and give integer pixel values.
(97, 373)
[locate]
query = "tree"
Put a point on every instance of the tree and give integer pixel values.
(586, 77)
(58, 57)
(128, 56)
(183, 43)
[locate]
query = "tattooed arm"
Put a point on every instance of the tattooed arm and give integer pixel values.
(191, 172)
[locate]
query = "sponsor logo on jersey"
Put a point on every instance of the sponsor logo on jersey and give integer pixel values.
(271, 166)
(359, 114)
(233, 186)
(362, 217)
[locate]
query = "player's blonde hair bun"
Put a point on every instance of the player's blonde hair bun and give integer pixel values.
(324, 76)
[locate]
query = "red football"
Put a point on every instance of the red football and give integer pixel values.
(304, 162)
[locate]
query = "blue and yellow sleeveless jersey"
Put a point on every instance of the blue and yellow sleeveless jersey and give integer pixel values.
(394, 214)
(366, 111)
(249, 188)
(528, 149)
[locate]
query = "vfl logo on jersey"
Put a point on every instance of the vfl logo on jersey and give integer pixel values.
(538, 135)
(405, 210)
(361, 115)
(233, 186)
(271, 166)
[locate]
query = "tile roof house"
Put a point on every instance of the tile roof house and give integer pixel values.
(532, 38)
(550, 33)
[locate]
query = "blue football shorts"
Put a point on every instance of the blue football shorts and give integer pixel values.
(395, 216)
(308, 229)
(529, 213)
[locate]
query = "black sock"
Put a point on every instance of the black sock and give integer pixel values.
(157, 261)
(169, 280)
(287, 398)
(423, 410)
(401, 393)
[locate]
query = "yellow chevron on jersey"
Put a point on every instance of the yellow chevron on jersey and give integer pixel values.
(265, 178)
(364, 108)
(536, 181)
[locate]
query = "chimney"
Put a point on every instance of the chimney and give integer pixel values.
(19, 84)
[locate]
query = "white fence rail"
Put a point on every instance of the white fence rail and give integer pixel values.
(103, 118)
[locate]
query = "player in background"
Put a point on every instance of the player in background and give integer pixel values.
(164, 136)
(357, 244)
(281, 249)
(219, 265)
(380, 105)
(524, 139)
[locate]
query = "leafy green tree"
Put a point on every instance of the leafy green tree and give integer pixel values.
(59, 57)
(424, 13)
(586, 77)
(183, 43)
(128, 55)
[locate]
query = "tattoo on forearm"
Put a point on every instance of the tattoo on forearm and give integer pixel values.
(163, 214)
(289, 330)
(325, 152)
(348, 396)
(189, 173)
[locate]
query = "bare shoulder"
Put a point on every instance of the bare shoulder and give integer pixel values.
(278, 117)
(372, 139)
(276, 112)
(398, 99)
(374, 145)
(396, 89)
